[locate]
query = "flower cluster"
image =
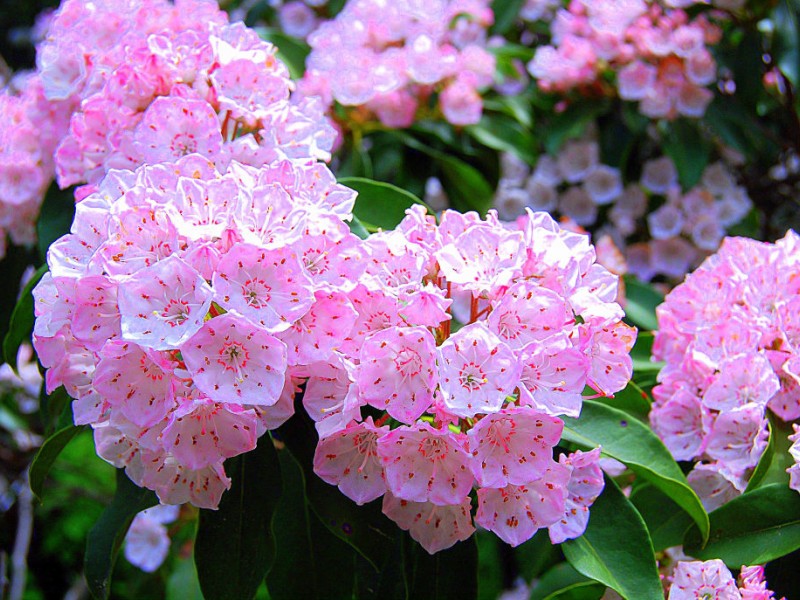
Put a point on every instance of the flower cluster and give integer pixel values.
(730, 339)
(667, 241)
(660, 56)
(176, 306)
(389, 58)
(471, 340)
(152, 81)
(29, 134)
(712, 579)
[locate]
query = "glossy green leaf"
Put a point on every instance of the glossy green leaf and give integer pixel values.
(47, 454)
(450, 574)
(753, 529)
(763, 466)
(466, 187)
(55, 217)
(391, 581)
(616, 548)
(633, 443)
(506, 135)
(182, 583)
(22, 318)
(518, 107)
(688, 149)
(292, 51)
(365, 528)
(773, 470)
(786, 44)
(506, 13)
(105, 538)
(379, 205)
(641, 301)
(357, 227)
(632, 400)
(570, 124)
(310, 562)
(235, 547)
(563, 582)
(642, 352)
(665, 520)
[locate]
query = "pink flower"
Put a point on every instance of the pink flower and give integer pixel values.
(164, 305)
(477, 371)
(435, 527)
(697, 579)
(515, 513)
(349, 459)
(232, 360)
(424, 464)
(268, 287)
(513, 447)
(585, 485)
(398, 371)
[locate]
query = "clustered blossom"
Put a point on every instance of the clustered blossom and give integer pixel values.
(665, 242)
(153, 81)
(712, 579)
(418, 410)
(659, 55)
(181, 303)
(389, 58)
(731, 342)
(29, 134)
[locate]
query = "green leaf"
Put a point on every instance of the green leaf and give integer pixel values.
(665, 520)
(22, 318)
(570, 124)
(518, 107)
(55, 217)
(105, 538)
(235, 548)
(448, 574)
(365, 528)
(632, 400)
(182, 583)
(465, 186)
(786, 44)
(379, 205)
(47, 454)
(357, 227)
(506, 13)
(563, 582)
(641, 302)
(762, 468)
(504, 134)
(688, 149)
(616, 548)
(310, 562)
(753, 529)
(642, 352)
(633, 443)
(773, 470)
(291, 51)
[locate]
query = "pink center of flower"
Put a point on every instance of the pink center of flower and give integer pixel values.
(408, 363)
(233, 356)
(433, 449)
(256, 292)
(471, 377)
(176, 312)
(315, 261)
(183, 144)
